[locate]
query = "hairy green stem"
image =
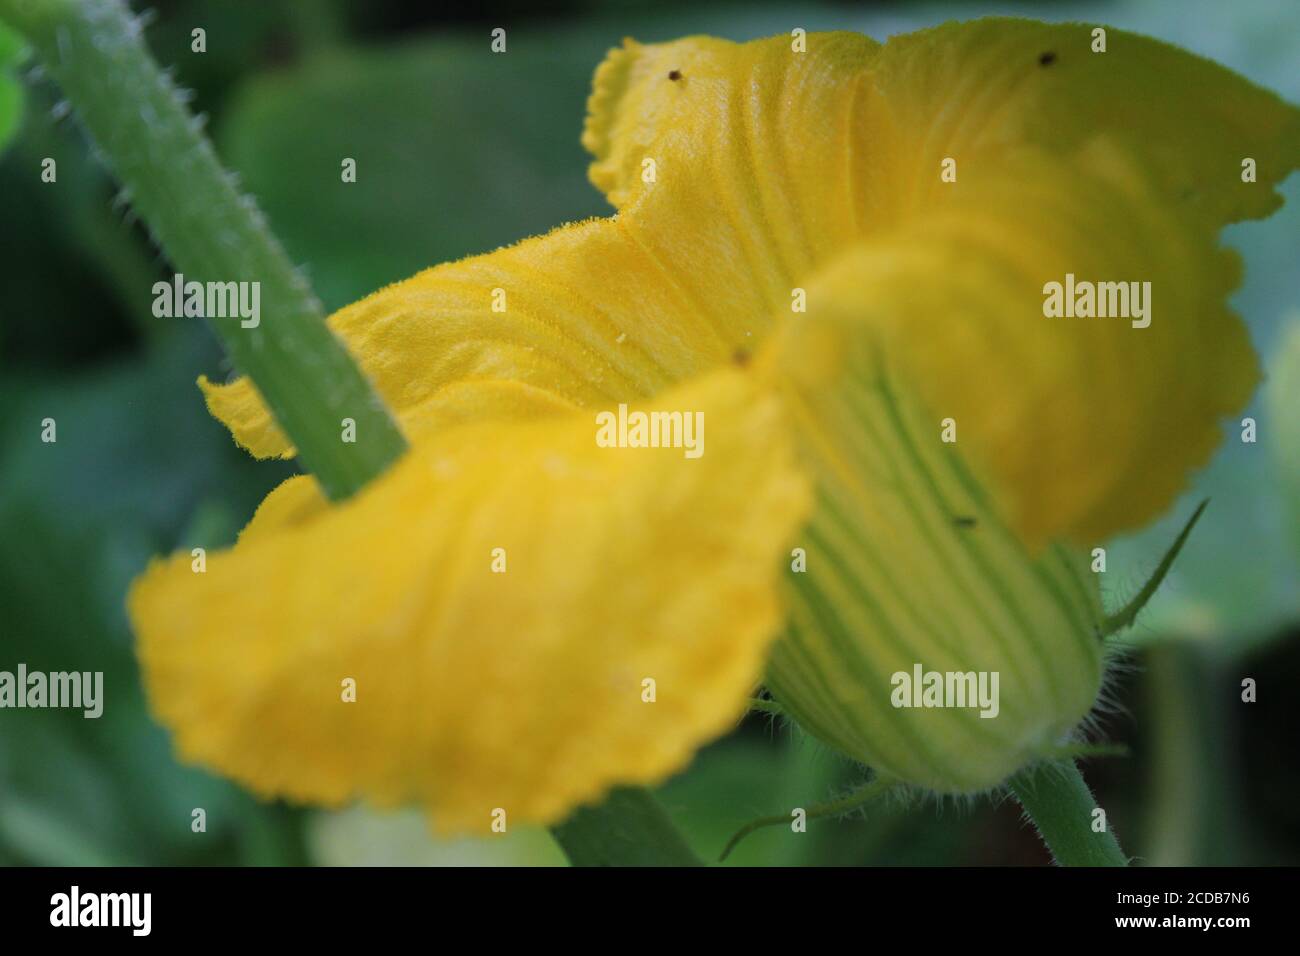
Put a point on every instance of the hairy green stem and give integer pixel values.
(170, 173)
(211, 233)
(1062, 807)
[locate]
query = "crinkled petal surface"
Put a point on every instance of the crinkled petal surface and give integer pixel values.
(1114, 167)
(848, 137)
(766, 161)
(478, 690)
(583, 317)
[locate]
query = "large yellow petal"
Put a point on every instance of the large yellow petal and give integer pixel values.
(817, 148)
(975, 91)
(766, 161)
(581, 317)
(477, 690)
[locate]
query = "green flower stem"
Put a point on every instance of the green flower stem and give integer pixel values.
(95, 50)
(629, 829)
(1061, 806)
(209, 232)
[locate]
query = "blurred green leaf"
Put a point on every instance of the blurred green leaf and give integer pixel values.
(79, 518)
(1282, 400)
(770, 768)
(11, 92)
(457, 151)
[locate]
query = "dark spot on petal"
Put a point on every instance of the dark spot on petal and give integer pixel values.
(740, 357)
(675, 75)
(964, 521)
(1047, 59)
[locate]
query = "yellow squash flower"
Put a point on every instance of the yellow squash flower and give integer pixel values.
(836, 251)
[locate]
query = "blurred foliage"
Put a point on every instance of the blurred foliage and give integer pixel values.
(459, 151)
(11, 91)
(81, 516)
(1281, 397)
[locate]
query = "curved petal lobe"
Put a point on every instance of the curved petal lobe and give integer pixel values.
(521, 688)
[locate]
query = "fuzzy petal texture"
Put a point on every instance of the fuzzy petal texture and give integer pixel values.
(847, 137)
(478, 690)
(766, 162)
(582, 317)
